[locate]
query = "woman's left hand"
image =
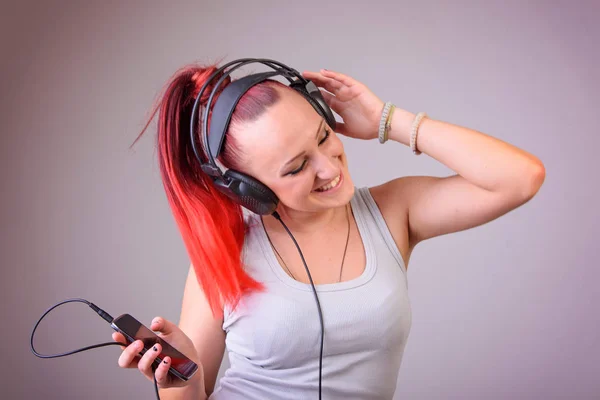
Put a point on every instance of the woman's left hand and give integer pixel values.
(354, 102)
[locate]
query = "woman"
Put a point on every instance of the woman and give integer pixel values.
(247, 288)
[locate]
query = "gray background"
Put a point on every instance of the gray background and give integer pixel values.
(506, 310)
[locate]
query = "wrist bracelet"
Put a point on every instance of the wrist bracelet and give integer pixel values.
(388, 124)
(414, 132)
(382, 122)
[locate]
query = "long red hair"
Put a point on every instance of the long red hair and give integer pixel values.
(211, 225)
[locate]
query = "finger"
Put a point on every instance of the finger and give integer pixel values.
(311, 74)
(330, 84)
(327, 83)
(164, 326)
(128, 358)
(145, 363)
(338, 76)
(119, 338)
(162, 372)
(157, 324)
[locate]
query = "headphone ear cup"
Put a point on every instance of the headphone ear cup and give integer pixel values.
(250, 193)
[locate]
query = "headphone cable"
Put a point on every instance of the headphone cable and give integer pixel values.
(105, 316)
(278, 217)
(108, 318)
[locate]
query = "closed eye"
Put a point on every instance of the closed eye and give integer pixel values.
(325, 137)
(299, 169)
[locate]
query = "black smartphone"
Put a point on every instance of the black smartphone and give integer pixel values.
(181, 366)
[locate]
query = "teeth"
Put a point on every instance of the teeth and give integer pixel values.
(330, 185)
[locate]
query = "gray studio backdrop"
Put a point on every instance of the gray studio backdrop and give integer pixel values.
(506, 310)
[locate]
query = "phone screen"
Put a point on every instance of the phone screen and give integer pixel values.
(134, 330)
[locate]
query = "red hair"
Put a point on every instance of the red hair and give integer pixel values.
(211, 225)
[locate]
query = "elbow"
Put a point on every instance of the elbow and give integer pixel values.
(534, 179)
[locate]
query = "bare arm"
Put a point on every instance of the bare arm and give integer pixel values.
(493, 177)
(206, 332)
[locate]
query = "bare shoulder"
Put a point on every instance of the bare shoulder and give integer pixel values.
(389, 200)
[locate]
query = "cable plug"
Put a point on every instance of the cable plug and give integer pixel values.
(106, 316)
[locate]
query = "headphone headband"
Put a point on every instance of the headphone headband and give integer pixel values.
(276, 65)
(228, 99)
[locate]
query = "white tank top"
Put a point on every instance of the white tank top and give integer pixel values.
(273, 337)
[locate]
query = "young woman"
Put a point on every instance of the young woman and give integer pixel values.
(247, 288)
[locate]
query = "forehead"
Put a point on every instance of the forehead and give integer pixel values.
(280, 133)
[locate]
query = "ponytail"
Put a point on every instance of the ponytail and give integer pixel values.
(211, 224)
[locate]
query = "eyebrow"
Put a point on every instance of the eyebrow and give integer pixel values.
(304, 152)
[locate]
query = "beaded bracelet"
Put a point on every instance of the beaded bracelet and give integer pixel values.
(414, 131)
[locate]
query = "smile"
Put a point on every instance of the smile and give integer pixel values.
(334, 183)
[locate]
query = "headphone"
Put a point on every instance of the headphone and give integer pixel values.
(242, 188)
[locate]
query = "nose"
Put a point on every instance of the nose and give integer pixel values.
(326, 166)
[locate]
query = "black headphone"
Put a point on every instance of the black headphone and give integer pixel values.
(242, 188)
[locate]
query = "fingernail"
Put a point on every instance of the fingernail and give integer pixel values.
(156, 320)
(155, 349)
(164, 361)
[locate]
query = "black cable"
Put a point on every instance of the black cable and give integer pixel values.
(105, 316)
(154, 378)
(108, 318)
(278, 217)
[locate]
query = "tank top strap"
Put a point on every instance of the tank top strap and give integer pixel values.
(370, 210)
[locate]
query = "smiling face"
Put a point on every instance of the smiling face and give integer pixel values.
(291, 149)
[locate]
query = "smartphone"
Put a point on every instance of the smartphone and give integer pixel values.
(181, 366)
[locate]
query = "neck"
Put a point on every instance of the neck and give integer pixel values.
(307, 223)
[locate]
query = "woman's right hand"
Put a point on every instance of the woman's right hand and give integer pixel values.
(130, 357)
